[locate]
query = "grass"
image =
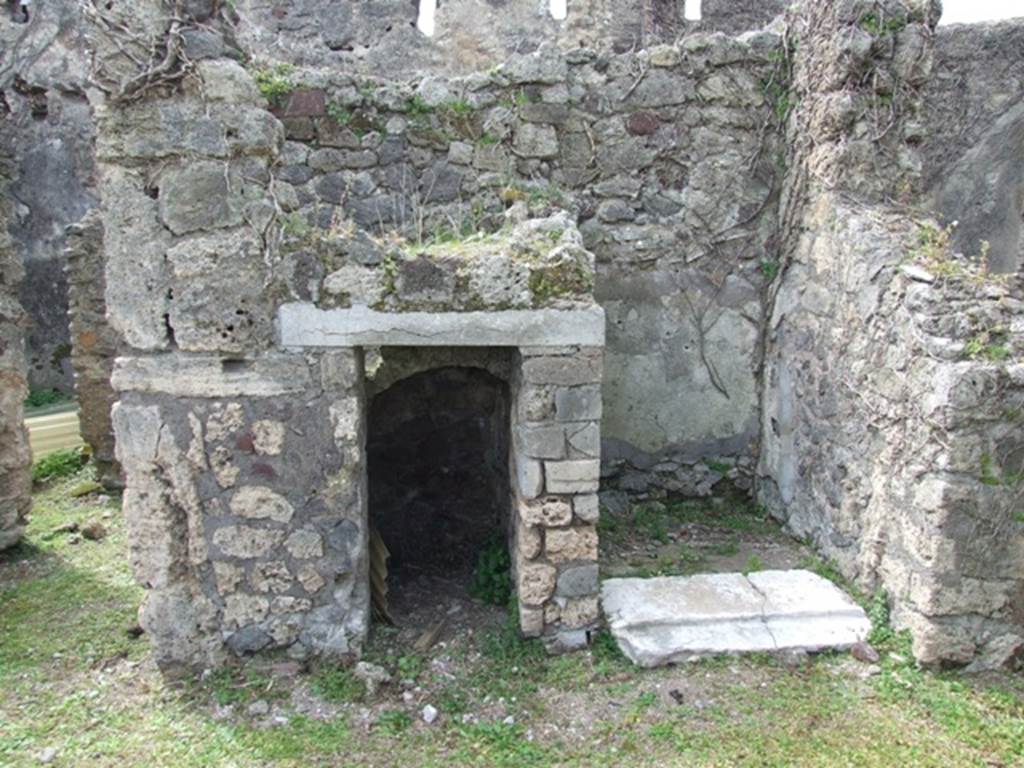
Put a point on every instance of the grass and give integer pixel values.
(63, 463)
(75, 680)
(41, 398)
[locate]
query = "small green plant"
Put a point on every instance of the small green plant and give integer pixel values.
(721, 467)
(459, 107)
(417, 107)
(754, 564)
(389, 267)
(606, 652)
(295, 224)
(62, 463)
(878, 613)
(775, 87)
(394, 721)
(649, 517)
(492, 579)
(645, 701)
(339, 114)
(275, 83)
(990, 344)
(336, 684)
(410, 667)
(770, 267)
(488, 140)
(877, 25)
(934, 251)
(227, 686)
(39, 398)
(990, 475)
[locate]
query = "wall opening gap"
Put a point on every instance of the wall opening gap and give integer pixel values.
(439, 493)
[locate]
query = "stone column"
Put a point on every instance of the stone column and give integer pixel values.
(556, 460)
(94, 344)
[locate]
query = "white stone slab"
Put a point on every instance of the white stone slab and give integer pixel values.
(305, 325)
(672, 619)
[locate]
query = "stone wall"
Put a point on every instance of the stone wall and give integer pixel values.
(668, 158)
(245, 503)
(892, 437)
(362, 38)
(974, 145)
(45, 76)
(15, 457)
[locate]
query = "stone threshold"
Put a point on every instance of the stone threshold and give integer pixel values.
(667, 620)
(306, 325)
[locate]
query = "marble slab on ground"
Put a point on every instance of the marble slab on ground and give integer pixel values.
(672, 619)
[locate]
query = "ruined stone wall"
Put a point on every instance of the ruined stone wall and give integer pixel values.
(668, 158)
(95, 342)
(891, 435)
(45, 72)
(471, 35)
(973, 148)
(245, 503)
(15, 457)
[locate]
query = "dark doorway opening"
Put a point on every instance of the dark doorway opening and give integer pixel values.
(437, 451)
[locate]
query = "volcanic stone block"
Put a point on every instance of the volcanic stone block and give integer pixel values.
(575, 476)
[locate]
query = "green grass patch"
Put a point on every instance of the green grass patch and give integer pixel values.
(63, 463)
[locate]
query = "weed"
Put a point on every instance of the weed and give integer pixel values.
(394, 721)
(754, 563)
(492, 580)
(775, 88)
(275, 83)
(226, 686)
(488, 140)
(989, 344)
(499, 745)
(934, 251)
(62, 463)
(417, 107)
(39, 398)
(770, 267)
(389, 268)
(336, 684)
(878, 25)
(990, 475)
(340, 114)
(295, 225)
(826, 569)
(459, 107)
(410, 667)
(649, 517)
(878, 613)
(721, 467)
(606, 652)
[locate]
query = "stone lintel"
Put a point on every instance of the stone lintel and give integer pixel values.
(305, 325)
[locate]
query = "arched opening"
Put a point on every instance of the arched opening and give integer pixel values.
(437, 452)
